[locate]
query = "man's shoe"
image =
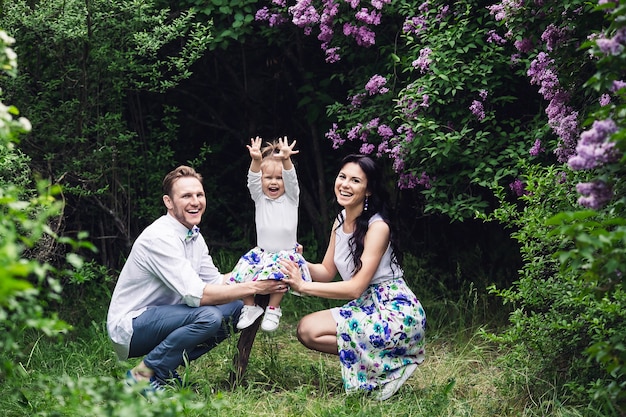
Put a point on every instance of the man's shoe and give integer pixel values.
(154, 385)
(271, 319)
(248, 316)
(392, 387)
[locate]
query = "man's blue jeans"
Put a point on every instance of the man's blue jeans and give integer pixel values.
(165, 334)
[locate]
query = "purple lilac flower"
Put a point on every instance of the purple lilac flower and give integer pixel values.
(356, 100)
(549, 83)
(617, 85)
(368, 17)
(364, 36)
(376, 85)
(423, 62)
(373, 124)
(408, 180)
(327, 20)
(398, 160)
(497, 10)
(304, 14)
(524, 46)
(263, 14)
(561, 118)
(477, 109)
(536, 149)
(595, 148)
(504, 9)
(277, 19)
(615, 45)
(367, 148)
(335, 137)
(409, 135)
(332, 55)
(553, 36)
(518, 187)
(566, 128)
(414, 25)
(408, 106)
(385, 131)
(493, 37)
(443, 12)
(378, 4)
(561, 177)
(538, 68)
(482, 93)
(326, 34)
(604, 100)
(357, 132)
(594, 195)
(383, 148)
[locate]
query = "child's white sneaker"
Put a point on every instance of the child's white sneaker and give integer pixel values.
(271, 319)
(248, 316)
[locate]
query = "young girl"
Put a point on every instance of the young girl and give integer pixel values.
(273, 186)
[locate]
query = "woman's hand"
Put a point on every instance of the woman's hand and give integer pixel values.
(292, 272)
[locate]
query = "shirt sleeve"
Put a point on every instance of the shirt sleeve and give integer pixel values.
(209, 273)
(254, 185)
(292, 188)
(165, 259)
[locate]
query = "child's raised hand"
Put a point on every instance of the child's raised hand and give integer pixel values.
(255, 148)
(286, 150)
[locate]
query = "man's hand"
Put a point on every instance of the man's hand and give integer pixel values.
(271, 286)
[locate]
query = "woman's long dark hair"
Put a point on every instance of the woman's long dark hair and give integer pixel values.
(377, 202)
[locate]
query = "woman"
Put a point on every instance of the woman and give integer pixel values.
(379, 335)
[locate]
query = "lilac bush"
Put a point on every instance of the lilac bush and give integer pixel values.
(574, 55)
(518, 101)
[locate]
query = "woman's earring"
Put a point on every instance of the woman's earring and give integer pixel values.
(365, 208)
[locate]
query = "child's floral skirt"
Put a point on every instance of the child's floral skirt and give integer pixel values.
(258, 264)
(378, 334)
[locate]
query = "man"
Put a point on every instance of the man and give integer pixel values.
(170, 302)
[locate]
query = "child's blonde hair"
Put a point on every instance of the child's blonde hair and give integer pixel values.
(269, 149)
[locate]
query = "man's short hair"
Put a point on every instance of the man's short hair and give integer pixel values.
(179, 172)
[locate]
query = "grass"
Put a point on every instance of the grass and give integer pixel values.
(79, 376)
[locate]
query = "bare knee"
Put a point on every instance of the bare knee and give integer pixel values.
(318, 331)
(304, 333)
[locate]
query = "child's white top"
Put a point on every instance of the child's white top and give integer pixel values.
(276, 219)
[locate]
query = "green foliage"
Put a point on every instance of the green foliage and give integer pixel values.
(231, 19)
(108, 396)
(567, 328)
(595, 246)
(80, 376)
(27, 284)
(440, 146)
(88, 69)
